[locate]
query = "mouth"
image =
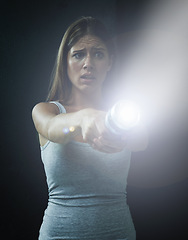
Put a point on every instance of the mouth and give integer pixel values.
(87, 78)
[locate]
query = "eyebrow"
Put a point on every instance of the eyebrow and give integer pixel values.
(93, 48)
(98, 48)
(81, 50)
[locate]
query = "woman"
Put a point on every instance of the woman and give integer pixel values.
(86, 167)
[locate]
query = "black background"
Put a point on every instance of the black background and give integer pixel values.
(30, 34)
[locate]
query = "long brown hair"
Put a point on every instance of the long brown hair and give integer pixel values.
(60, 88)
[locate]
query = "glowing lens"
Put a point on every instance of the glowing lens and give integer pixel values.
(125, 114)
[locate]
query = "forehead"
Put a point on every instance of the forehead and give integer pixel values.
(89, 41)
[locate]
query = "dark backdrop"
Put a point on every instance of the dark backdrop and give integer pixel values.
(30, 34)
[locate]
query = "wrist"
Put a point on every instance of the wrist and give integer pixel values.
(82, 114)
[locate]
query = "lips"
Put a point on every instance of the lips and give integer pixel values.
(88, 76)
(87, 79)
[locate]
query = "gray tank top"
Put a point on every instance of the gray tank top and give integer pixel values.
(87, 192)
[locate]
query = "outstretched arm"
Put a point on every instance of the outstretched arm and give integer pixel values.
(52, 126)
(86, 122)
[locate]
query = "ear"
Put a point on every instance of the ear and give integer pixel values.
(111, 60)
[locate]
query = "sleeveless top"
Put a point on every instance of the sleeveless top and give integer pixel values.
(87, 193)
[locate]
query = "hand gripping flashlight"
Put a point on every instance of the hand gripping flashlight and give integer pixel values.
(122, 117)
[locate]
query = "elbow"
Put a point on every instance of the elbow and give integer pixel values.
(138, 148)
(143, 141)
(55, 136)
(52, 136)
(139, 145)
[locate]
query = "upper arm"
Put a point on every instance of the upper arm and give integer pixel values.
(42, 113)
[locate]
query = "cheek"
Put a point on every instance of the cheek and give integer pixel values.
(73, 67)
(102, 67)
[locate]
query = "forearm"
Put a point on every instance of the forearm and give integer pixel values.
(64, 127)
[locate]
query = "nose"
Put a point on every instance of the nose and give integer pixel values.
(88, 63)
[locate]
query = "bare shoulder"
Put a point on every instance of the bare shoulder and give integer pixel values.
(45, 108)
(41, 113)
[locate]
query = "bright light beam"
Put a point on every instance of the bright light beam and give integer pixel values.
(154, 72)
(122, 117)
(155, 65)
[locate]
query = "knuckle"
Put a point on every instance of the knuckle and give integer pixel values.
(87, 138)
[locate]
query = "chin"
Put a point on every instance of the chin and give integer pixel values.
(90, 88)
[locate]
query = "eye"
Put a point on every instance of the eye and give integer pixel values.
(79, 55)
(99, 55)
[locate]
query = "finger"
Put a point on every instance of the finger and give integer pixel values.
(105, 148)
(90, 134)
(115, 143)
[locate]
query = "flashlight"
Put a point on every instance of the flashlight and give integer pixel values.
(122, 117)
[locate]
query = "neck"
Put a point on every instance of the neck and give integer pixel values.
(83, 100)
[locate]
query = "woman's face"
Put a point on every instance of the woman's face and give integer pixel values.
(88, 62)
